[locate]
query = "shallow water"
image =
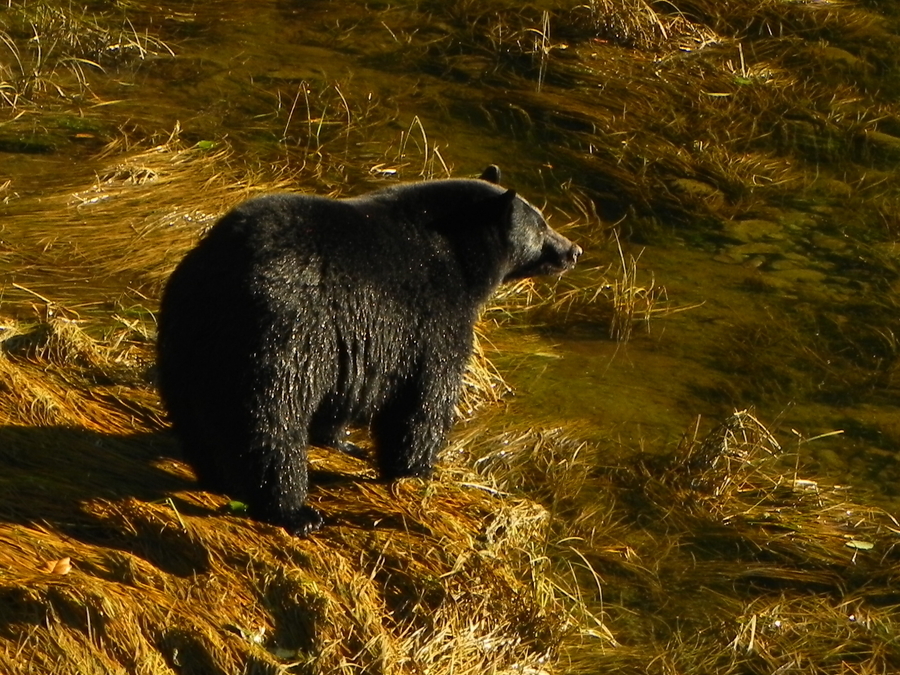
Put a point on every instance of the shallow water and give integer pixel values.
(241, 74)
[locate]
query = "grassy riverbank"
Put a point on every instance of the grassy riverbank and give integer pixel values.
(761, 138)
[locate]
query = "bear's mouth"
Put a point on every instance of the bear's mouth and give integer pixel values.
(550, 263)
(563, 263)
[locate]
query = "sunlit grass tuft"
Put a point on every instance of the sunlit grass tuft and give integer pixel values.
(53, 51)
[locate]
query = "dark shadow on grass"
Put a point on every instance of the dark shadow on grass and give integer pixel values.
(115, 491)
(100, 489)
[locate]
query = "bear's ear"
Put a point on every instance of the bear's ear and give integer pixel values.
(497, 208)
(491, 174)
(502, 205)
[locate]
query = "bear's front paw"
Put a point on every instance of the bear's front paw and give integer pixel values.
(304, 522)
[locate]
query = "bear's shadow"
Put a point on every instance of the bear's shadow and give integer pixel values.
(93, 487)
(87, 486)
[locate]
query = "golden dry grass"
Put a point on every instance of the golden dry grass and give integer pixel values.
(111, 562)
(716, 556)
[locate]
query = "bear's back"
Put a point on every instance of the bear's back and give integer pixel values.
(409, 238)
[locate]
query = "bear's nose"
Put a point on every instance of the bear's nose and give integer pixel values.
(574, 253)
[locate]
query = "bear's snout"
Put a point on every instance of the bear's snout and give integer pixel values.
(558, 256)
(568, 254)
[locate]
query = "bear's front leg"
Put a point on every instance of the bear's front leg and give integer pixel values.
(411, 428)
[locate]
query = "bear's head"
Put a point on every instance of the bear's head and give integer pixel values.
(534, 248)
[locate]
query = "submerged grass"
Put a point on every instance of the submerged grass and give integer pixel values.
(145, 209)
(53, 52)
(716, 556)
(643, 100)
(785, 356)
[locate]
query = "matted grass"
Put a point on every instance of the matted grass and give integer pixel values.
(527, 552)
(110, 561)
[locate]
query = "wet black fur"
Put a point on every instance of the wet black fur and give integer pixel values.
(297, 316)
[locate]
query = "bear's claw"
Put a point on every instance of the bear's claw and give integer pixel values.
(303, 523)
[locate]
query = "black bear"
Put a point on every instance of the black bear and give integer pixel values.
(298, 315)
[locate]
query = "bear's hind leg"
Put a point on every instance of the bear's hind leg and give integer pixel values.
(410, 429)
